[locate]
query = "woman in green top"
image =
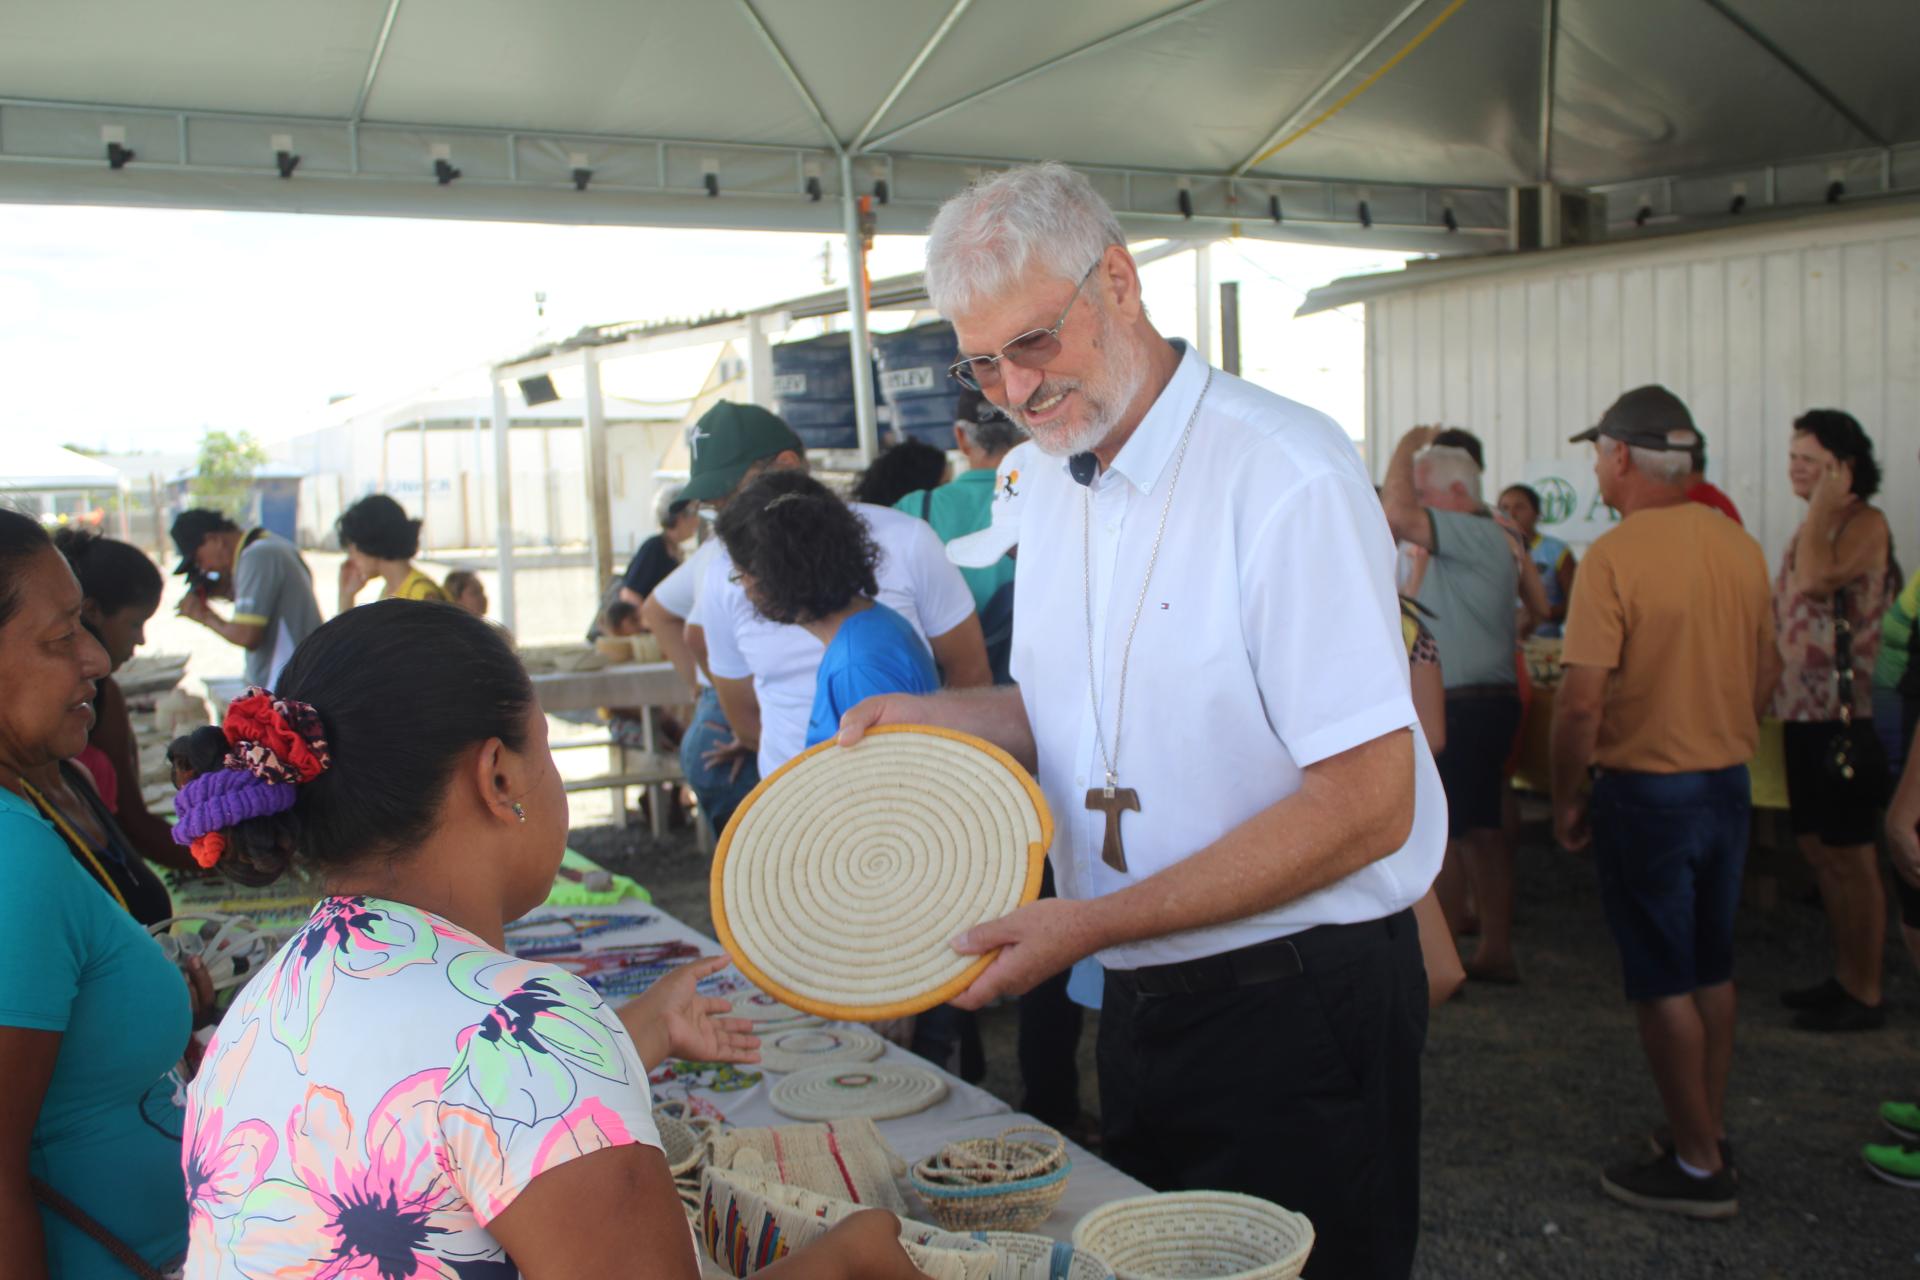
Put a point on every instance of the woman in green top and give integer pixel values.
(93, 1017)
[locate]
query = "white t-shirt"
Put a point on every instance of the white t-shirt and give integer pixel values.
(916, 581)
(679, 592)
(384, 1089)
(1270, 640)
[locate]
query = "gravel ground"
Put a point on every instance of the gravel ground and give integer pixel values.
(1530, 1090)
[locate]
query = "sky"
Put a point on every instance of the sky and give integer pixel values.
(139, 329)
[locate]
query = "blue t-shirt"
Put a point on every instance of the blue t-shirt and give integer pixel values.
(108, 1133)
(876, 651)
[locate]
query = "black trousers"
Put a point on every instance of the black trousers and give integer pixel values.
(1303, 1090)
(1049, 1046)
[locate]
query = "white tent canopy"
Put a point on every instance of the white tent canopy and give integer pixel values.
(1438, 106)
(33, 466)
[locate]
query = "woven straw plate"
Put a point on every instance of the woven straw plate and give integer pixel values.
(746, 1224)
(843, 877)
(804, 1047)
(758, 1007)
(1185, 1235)
(877, 1090)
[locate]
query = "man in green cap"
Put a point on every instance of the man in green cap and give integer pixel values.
(763, 672)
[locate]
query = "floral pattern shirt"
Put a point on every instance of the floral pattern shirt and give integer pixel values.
(383, 1089)
(1809, 686)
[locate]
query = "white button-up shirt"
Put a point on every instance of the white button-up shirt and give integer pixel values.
(1270, 640)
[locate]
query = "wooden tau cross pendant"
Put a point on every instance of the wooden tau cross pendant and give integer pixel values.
(1112, 800)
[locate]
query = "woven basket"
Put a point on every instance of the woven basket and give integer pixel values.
(1009, 1183)
(843, 876)
(683, 1136)
(747, 1224)
(1027, 1257)
(845, 1160)
(1184, 1235)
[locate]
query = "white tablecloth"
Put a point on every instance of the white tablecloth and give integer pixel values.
(966, 1111)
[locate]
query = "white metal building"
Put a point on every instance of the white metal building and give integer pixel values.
(1751, 326)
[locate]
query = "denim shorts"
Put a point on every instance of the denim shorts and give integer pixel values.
(718, 793)
(1670, 849)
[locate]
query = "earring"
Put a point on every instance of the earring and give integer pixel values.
(519, 811)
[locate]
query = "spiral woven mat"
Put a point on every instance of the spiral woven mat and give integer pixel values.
(878, 1091)
(758, 1007)
(844, 876)
(805, 1047)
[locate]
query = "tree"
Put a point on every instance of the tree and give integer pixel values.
(224, 478)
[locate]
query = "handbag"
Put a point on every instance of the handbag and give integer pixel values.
(1853, 755)
(84, 1223)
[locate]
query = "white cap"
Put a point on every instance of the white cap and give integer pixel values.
(984, 549)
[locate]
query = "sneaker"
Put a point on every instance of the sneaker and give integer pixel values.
(1850, 1015)
(1820, 995)
(1899, 1165)
(1903, 1118)
(1660, 1142)
(1663, 1186)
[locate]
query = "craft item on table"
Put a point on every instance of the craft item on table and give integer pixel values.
(878, 1090)
(799, 1048)
(714, 1077)
(747, 1224)
(1009, 1183)
(1029, 1257)
(758, 1006)
(843, 877)
(844, 1159)
(232, 948)
(683, 1139)
(537, 936)
(1184, 1234)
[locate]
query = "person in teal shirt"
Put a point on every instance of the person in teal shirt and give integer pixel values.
(93, 1017)
(983, 435)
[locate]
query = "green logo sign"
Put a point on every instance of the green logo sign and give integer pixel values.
(1557, 499)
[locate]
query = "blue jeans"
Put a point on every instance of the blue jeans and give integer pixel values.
(719, 794)
(1670, 849)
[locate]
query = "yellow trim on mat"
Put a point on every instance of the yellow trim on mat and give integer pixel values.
(1036, 865)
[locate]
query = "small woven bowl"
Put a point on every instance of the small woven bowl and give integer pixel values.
(1010, 1183)
(1187, 1235)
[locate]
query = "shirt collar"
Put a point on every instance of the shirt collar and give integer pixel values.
(1144, 456)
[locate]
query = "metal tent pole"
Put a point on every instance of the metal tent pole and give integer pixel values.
(503, 503)
(598, 485)
(860, 350)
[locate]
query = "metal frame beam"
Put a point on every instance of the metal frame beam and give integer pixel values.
(1313, 100)
(373, 63)
(907, 77)
(1549, 52)
(1145, 27)
(793, 76)
(1799, 72)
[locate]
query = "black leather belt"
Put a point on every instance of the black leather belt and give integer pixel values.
(1273, 961)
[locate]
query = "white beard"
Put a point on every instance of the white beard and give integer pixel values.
(1103, 400)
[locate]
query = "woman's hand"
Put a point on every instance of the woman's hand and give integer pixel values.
(200, 991)
(351, 580)
(673, 1020)
(1831, 490)
(866, 1246)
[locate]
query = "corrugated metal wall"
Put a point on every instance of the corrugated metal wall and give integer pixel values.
(1750, 331)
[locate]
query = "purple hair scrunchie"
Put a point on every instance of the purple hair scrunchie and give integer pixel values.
(225, 797)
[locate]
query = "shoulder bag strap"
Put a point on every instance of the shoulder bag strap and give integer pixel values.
(85, 1224)
(1843, 655)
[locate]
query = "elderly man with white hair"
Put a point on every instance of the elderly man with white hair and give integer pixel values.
(1212, 689)
(1475, 569)
(1669, 662)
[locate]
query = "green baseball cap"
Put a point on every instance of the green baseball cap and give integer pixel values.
(727, 440)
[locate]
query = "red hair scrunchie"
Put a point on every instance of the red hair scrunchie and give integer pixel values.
(276, 739)
(208, 848)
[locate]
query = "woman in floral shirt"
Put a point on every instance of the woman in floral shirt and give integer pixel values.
(395, 1096)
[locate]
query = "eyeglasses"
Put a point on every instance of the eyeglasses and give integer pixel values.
(1031, 350)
